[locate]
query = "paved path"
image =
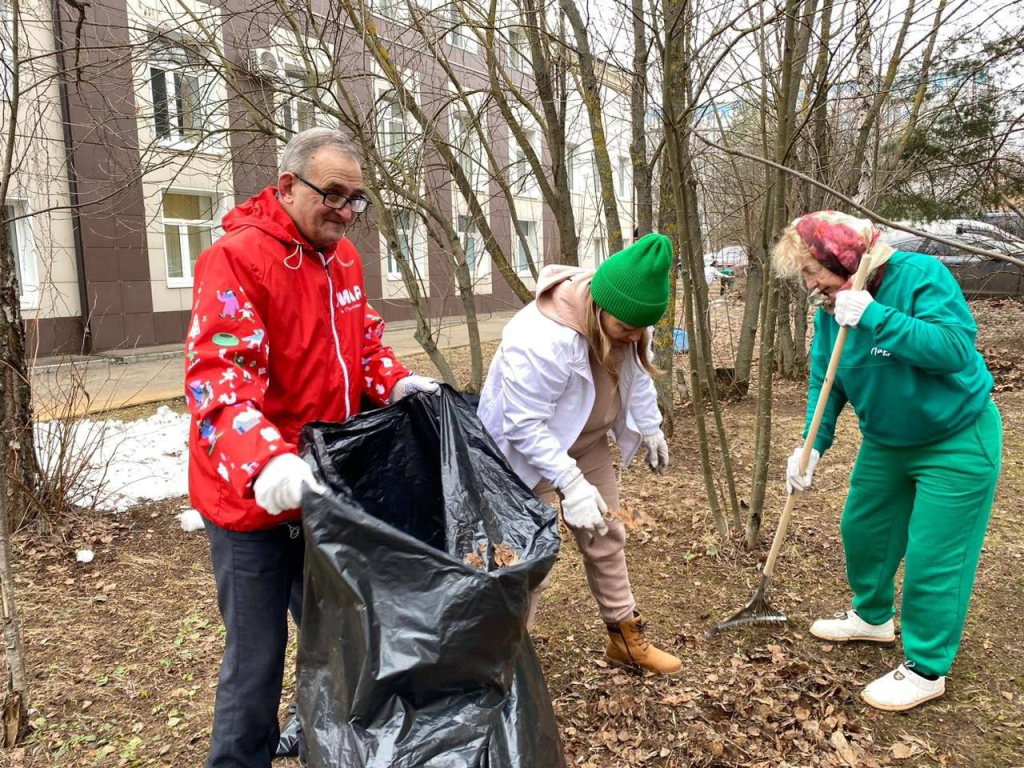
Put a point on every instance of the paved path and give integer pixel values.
(153, 374)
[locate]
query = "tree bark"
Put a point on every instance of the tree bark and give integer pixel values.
(591, 92)
(642, 176)
(18, 466)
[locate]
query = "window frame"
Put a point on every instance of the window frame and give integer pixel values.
(518, 60)
(571, 161)
(468, 231)
(522, 265)
(172, 67)
(296, 80)
(458, 36)
(6, 52)
(217, 199)
(26, 262)
(416, 244)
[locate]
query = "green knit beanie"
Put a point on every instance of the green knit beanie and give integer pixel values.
(632, 285)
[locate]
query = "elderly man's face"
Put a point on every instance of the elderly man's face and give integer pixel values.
(333, 172)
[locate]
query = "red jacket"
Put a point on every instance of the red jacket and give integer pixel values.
(280, 335)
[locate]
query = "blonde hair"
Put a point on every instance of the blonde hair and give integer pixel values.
(790, 253)
(601, 343)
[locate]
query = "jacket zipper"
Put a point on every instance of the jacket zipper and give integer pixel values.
(334, 330)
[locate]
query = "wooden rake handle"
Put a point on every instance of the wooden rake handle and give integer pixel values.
(859, 279)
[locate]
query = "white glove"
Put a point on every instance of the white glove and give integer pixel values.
(279, 486)
(583, 507)
(850, 306)
(410, 385)
(657, 452)
(794, 480)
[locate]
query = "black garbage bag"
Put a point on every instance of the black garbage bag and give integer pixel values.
(419, 563)
(288, 741)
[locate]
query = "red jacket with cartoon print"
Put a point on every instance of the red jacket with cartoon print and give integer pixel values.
(280, 335)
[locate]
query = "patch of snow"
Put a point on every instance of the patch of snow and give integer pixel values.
(124, 462)
(84, 555)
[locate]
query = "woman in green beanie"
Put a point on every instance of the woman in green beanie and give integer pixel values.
(572, 367)
(925, 478)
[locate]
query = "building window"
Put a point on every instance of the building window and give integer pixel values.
(180, 90)
(6, 53)
(189, 221)
(623, 176)
(518, 51)
(297, 110)
(530, 230)
(394, 131)
(570, 167)
(460, 35)
(390, 9)
(19, 235)
(522, 178)
(407, 235)
(469, 150)
(600, 251)
(469, 238)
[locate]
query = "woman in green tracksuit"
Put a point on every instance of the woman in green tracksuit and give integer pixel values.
(926, 474)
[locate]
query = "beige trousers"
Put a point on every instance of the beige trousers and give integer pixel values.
(604, 557)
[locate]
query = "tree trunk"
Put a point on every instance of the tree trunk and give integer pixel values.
(664, 332)
(15, 703)
(591, 92)
(18, 466)
(792, 66)
(865, 94)
(642, 176)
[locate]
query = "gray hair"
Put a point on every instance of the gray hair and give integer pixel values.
(303, 145)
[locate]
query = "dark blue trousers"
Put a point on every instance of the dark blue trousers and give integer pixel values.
(259, 578)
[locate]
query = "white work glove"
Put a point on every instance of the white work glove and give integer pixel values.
(794, 480)
(850, 306)
(279, 486)
(410, 385)
(657, 452)
(583, 507)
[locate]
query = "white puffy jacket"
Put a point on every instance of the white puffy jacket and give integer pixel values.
(539, 394)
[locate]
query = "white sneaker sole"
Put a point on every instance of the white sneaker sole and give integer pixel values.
(899, 708)
(854, 638)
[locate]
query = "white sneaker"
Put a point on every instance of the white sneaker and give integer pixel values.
(848, 626)
(902, 689)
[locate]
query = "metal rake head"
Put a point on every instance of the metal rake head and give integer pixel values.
(756, 611)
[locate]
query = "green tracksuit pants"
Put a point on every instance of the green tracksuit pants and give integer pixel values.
(929, 504)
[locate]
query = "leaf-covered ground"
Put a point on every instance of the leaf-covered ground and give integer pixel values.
(124, 651)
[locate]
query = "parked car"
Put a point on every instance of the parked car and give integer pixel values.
(1006, 220)
(977, 275)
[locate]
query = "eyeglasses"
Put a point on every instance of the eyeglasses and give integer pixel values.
(336, 200)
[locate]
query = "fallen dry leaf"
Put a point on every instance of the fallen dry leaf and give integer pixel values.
(842, 746)
(504, 557)
(901, 751)
(475, 560)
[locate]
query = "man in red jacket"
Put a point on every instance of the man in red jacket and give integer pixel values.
(281, 334)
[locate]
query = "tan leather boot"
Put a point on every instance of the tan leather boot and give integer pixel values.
(627, 647)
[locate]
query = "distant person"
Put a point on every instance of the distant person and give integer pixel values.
(711, 273)
(572, 367)
(281, 334)
(726, 282)
(922, 489)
